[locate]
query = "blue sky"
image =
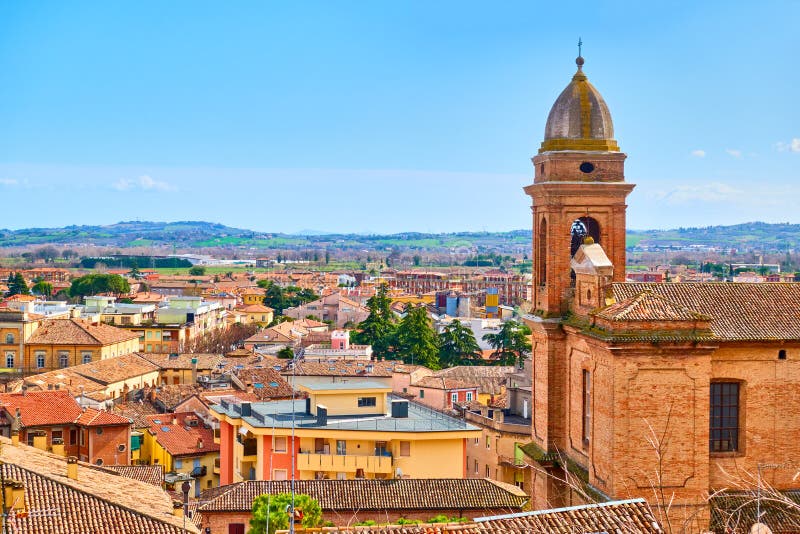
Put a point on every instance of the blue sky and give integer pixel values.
(386, 116)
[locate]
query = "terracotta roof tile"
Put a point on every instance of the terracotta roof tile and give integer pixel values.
(649, 306)
(181, 439)
(381, 369)
(370, 494)
(739, 311)
(42, 408)
(78, 332)
(150, 474)
(97, 501)
(92, 417)
(443, 382)
(205, 362)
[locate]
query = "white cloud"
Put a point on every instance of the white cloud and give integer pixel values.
(699, 153)
(8, 181)
(791, 146)
(143, 183)
(712, 192)
(734, 153)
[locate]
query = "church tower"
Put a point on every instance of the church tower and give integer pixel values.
(578, 191)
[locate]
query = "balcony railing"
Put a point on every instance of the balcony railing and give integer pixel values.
(344, 463)
(513, 462)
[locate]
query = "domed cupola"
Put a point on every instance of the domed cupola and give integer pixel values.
(579, 119)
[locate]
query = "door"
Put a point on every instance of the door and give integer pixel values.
(236, 528)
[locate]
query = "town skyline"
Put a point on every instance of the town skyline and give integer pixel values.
(434, 111)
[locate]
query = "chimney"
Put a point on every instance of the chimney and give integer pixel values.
(72, 467)
(14, 495)
(194, 370)
(199, 443)
(14, 437)
(174, 419)
(177, 508)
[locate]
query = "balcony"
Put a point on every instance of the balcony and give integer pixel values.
(346, 463)
(216, 466)
(518, 463)
(199, 471)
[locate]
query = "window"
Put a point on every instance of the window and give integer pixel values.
(99, 461)
(587, 406)
(381, 449)
(341, 476)
(63, 359)
(782, 354)
(487, 471)
(9, 339)
(73, 437)
(405, 448)
(83, 438)
(364, 402)
(279, 474)
(40, 360)
(454, 398)
(10, 360)
(422, 394)
(476, 467)
(341, 447)
(280, 444)
(178, 464)
(57, 437)
(488, 442)
(476, 441)
(99, 431)
(87, 357)
(469, 396)
(724, 417)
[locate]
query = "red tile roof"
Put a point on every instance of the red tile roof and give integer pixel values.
(42, 408)
(739, 311)
(649, 306)
(78, 332)
(180, 439)
(92, 417)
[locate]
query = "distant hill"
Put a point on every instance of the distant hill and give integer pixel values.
(202, 234)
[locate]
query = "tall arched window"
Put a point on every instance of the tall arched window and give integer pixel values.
(541, 253)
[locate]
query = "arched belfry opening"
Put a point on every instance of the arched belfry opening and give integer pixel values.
(582, 228)
(541, 253)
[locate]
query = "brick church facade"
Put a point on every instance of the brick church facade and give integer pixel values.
(656, 390)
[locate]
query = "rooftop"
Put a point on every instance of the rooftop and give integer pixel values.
(78, 332)
(366, 494)
(279, 414)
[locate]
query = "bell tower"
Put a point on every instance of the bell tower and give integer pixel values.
(578, 191)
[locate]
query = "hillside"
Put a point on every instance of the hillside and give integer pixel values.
(201, 234)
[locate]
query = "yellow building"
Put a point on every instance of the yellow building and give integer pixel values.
(181, 443)
(16, 326)
(253, 295)
(343, 430)
(256, 314)
(59, 343)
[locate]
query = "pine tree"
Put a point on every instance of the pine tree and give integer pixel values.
(17, 285)
(457, 346)
(415, 340)
(511, 344)
(379, 326)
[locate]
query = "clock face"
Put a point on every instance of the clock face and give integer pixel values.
(586, 167)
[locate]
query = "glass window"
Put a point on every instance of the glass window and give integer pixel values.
(469, 396)
(10, 360)
(454, 398)
(341, 447)
(87, 357)
(39, 360)
(422, 394)
(724, 417)
(280, 443)
(9, 338)
(405, 448)
(178, 464)
(63, 359)
(364, 402)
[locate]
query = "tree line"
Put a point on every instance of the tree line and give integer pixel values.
(413, 340)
